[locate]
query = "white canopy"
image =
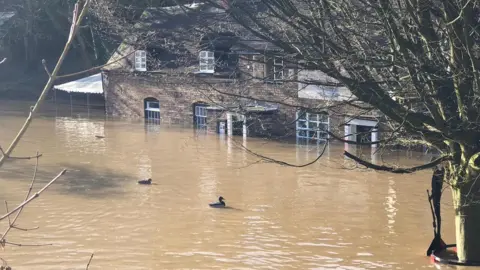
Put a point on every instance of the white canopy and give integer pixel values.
(88, 85)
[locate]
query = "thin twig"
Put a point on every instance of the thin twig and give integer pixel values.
(37, 156)
(26, 198)
(250, 164)
(34, 196)
(89, 261)
(396, 170)
(283, 163)
(24, 229)
(6, 207)
(27, 245)
(44, 64)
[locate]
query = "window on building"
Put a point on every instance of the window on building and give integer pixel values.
(200, 118)
(141, 60)
(207, 62)
(152, 109)
(312, 126)
(277, 68)
(274, 69)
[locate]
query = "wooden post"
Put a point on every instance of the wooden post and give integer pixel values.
(55, 101)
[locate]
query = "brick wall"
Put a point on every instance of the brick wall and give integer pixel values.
(125, 93)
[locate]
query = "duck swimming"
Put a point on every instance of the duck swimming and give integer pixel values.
(219, 204)
(145, 182)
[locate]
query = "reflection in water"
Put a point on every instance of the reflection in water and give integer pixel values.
(316, 217)
(374, 154)
(78, 134)
(152, 127)
(208, 181)
(244, 153)
(144, 165)
(391, 200)
(306, 152)
(229, 151)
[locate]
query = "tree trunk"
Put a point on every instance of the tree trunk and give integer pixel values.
(466, 201)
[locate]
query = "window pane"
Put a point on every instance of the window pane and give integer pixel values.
(324, 118)
(153, 104)
(278, 61)
(301, 116)
(313, 125)
(203, 54)
(210, 54)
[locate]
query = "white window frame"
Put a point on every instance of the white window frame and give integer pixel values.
(200, 116)
(206, 62)
(309, 121)
(141, 60)
(278, 68)
(152, 112)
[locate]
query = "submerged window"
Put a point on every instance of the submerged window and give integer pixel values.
(200, 116)
(141, 60)
(152, 109)
(312, 126)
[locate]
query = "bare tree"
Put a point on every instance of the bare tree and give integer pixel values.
(423, 51)
(79, 12)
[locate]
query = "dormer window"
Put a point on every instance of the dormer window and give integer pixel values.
(277, 68)
(207, 62)
(141, 60)
(274, 69)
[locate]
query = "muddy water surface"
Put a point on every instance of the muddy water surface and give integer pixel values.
(325, 216)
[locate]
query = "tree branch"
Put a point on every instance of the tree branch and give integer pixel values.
(352, 142)
(27, 245)
(12, 223)
(396, 170)
(89, 261)
(34, 196)
(44, 64)
(283, 163)
(75, 24)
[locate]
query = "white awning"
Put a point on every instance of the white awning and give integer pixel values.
(88, 85)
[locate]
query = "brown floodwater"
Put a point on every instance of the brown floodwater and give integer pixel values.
(325, 216)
